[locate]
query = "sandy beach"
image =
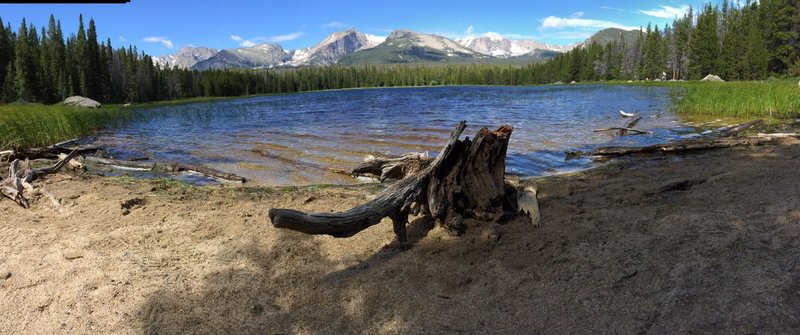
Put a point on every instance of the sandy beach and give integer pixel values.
(706, 242)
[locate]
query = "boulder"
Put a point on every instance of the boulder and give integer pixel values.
(712, 77)
(80, 101)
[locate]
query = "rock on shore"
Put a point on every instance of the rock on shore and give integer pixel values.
(80, 101)
(712, 77)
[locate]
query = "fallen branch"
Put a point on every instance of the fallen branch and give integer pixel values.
(688, 145)
(628, 128)
(300, 163)
(48, 153)
(144, 166)
(15, 186)
(207, 171)
(622, 131)
(393, 168)
(166, 167)
(736, 129)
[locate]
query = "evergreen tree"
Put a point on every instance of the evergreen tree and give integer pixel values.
(80, 57)
(704, 44)
(24, 76)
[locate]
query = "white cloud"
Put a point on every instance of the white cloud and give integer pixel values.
(552, 22)
(123, 39)
(334, 24)
(287, 37)
(236, 38)
(470, 30)
(159, 39)
(577, 15)
(666, 12)
(271, 39)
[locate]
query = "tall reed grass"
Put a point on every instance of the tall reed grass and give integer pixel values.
(750, 99)
(35, 125)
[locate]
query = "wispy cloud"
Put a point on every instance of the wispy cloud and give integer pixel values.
(334, 24)
(271, 39)
(287, 37)
(123, 39)
(553, 22)
(237, 38)
(159, 39)
(613, 8)
(666, 12)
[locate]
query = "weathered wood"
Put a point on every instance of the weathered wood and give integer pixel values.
(120, 163)
(688, 145)
(465, 180)
(628, 128)
(393, 168)
(167, 167)
(207, 171)
(632, 123)
(48, 153)
(736, 129)
(6, 153)
(397, 198)
(73, 163)
(300, 163)
(529, 205)
(18, 181)
(622, 131)
(471, 180)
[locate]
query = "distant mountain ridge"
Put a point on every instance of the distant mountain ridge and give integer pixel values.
(497, 46)
(186, 57)
(351, 47)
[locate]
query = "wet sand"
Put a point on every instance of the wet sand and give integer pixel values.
(707, 242)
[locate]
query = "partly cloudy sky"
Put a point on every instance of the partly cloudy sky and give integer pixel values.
(159, 27)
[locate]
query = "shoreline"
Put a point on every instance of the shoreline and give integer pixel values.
(690, 243)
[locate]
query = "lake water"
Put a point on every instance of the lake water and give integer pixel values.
(294, 139)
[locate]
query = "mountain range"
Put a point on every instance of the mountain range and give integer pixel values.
(351, 47)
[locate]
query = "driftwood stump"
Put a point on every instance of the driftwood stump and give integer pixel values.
(466, 180)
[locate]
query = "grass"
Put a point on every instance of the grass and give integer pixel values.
(36, 125)
(779, 99)
(774, 99)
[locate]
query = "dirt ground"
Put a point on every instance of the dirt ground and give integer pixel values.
(702, 243)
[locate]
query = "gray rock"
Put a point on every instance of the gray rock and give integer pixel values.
(712, 78)
(80, 101)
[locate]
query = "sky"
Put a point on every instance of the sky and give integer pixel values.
(162, 27)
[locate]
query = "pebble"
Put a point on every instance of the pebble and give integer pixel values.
(70, 255)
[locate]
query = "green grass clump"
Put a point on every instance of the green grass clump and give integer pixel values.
(750, 99)
(36, 125)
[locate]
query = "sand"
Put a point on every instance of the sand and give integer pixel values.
(708, 242)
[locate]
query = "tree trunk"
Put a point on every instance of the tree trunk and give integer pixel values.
(466, 180)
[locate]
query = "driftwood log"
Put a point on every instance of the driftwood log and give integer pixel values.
(628, 128)
(466, 180)
(19, 180)
(393, 168)
(693, 145)
(166, 167)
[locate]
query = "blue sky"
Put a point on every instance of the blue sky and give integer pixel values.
(162, 27)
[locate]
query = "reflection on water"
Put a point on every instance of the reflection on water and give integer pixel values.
(293, 139)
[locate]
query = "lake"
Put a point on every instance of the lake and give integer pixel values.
(294, 139)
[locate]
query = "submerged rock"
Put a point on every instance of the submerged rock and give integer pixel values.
(712, 77)
(80, 101)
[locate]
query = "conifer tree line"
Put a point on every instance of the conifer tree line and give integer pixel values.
(736, 41)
